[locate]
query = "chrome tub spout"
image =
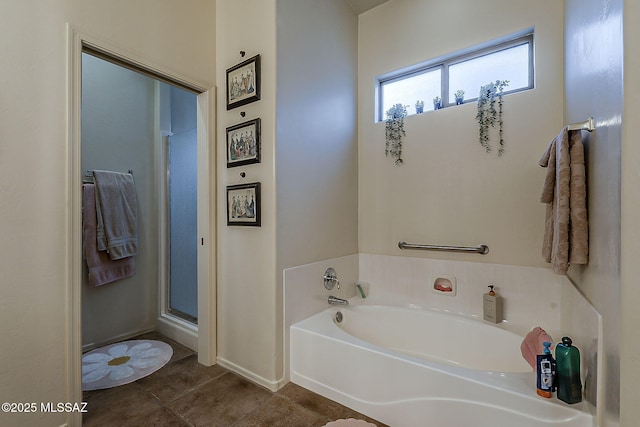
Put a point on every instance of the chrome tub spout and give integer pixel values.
(337, 301)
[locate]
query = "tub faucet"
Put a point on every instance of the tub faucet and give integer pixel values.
(337, 301)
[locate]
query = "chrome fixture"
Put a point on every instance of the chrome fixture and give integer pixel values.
(480, 249)
(588, 125)
(338, 317)
(337, 301)
(330, 279)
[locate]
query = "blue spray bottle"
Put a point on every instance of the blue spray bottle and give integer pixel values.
(545, 372)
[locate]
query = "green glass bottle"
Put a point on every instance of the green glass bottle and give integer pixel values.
(568, 363)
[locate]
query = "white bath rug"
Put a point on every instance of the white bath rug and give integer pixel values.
(123, 363)
(351, 422)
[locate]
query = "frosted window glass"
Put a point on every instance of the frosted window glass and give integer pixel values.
(423, 87)
(509, 64)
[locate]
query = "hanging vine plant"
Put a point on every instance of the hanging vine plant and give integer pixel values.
(488, 115)
(394, 131)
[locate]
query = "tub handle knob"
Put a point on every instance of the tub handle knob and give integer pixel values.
(330, 279)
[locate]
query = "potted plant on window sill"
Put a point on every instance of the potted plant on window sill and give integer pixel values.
(459, 96)
(419, 106)
(437, 103)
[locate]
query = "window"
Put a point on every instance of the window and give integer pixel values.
(507, 59)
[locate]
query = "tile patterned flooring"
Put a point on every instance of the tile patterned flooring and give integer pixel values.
(186, 393)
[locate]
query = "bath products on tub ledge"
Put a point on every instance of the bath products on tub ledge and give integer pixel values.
(545, 372)
(568, 361)
(492, 306)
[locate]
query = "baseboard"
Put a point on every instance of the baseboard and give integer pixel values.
(117, 338)
(178, 330)
(251, 376)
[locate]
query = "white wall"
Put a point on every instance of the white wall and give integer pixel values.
(594, 87)
(118, 134)
(34, 168)
(449, 191)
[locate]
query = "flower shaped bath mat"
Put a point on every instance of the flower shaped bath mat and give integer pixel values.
(123, 363)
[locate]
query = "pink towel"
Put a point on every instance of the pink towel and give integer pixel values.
(102, 269)
(532, 345)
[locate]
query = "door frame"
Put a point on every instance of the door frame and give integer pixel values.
(76, 41)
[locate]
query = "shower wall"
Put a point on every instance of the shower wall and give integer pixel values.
(117, 134)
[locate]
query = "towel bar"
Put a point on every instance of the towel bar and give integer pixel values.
(588, 125)
(480, 249)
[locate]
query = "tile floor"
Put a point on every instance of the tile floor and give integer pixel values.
(185, 393)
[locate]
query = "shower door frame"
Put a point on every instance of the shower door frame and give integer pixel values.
(206, 339)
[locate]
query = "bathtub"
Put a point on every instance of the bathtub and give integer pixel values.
(415, 367)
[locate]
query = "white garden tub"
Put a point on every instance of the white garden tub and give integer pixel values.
(413, 367)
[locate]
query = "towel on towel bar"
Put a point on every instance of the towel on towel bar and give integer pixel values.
(566, 233)
(117, 214)
(102, 269)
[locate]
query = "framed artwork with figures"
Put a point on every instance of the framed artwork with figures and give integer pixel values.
(243, 143)
(243, 83)
(243, 204)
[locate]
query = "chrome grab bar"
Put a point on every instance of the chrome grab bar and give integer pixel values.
(480, 249)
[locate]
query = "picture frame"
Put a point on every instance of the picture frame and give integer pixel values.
(243, 143)
(243, 204)
(243, 83)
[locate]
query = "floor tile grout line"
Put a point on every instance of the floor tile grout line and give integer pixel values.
(254, 410)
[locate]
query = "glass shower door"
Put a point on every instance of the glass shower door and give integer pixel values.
(183, 237)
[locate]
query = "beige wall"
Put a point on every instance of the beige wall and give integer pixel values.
(317, 153)
(308, 169)
(594, 87)
(178, 37)
(449, 191)
(630, 235)
(246, 257)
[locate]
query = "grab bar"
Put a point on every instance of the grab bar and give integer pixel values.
(480, 249)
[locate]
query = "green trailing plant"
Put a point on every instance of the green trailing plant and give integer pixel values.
(394, 131)
(488, 116)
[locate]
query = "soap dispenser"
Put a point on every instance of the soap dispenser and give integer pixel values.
(492, 306)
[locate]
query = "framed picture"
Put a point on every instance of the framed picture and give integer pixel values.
(243, 143)
(243, 83)
(243, 204)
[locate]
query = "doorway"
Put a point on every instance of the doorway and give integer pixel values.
(106, 144)
(206, 337)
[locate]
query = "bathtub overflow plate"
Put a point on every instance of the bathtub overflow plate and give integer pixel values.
(339, 317)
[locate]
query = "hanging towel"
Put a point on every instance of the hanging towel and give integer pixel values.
(102, 269)
(566, 231)
(117, 212)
